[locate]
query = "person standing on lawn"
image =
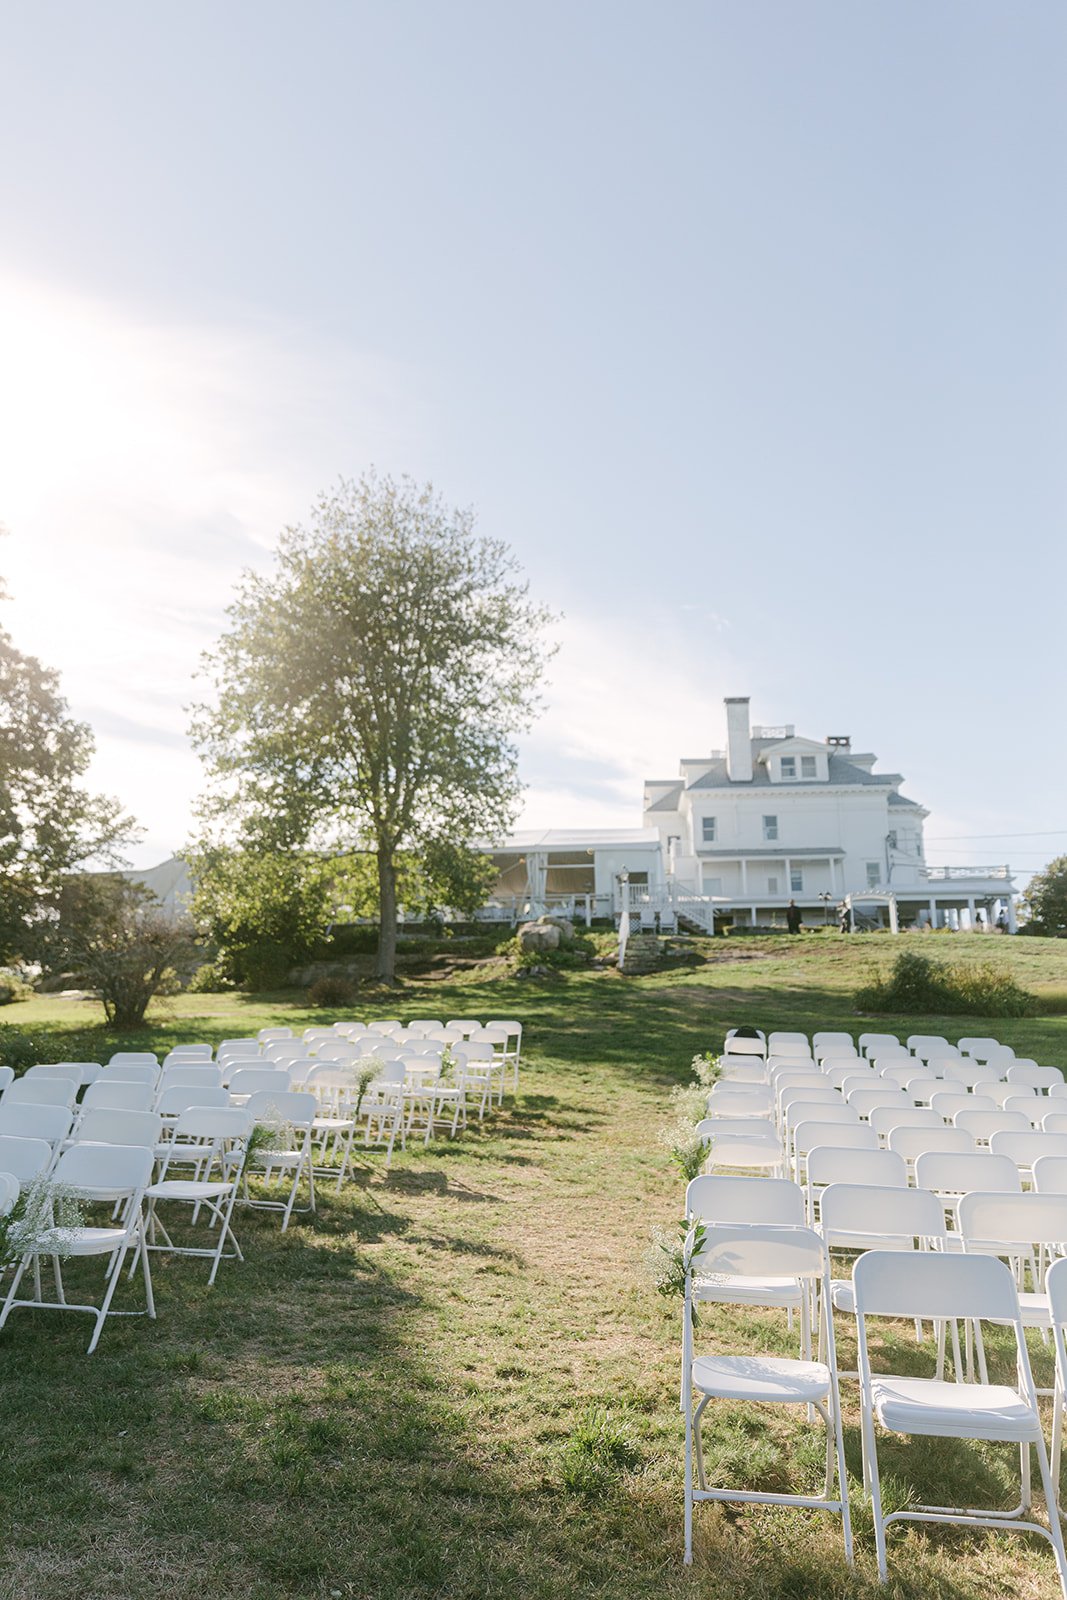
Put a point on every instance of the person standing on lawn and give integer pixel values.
(792, 917)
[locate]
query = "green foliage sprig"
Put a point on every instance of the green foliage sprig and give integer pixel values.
(688, 1151)
(670, 1257)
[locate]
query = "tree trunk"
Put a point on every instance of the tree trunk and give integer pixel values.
(387, 915)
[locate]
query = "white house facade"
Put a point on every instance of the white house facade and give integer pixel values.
(776, 817)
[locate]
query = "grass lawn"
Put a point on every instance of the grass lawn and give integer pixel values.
(458, 1382)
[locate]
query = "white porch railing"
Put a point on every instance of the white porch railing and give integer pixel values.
(951, 874)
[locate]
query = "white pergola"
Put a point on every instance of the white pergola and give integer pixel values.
(877, 897)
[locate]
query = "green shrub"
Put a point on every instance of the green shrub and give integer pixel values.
(211, 978)
(918, 984)
(13, 988)
(332, 991)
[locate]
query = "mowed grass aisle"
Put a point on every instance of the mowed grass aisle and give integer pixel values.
(458, 1381)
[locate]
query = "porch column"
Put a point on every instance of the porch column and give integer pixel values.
(894, 925)
(970, 913)
(833, 875)
(744, 877)
(788, 877)
(1009, 906)
(933, 913)
(753, 911)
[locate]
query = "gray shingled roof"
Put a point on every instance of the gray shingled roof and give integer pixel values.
(841, 770)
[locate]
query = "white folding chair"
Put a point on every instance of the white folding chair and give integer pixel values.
(1056, 1290)
(951, 1174)
(1028, 1075)
(211, 1142)
(949, 1101)
(743, 1070)
(744, 1047)
(726, 1254)
(973, 1074)
(980, 1049)
(808, 1136)
(929, 1044)
(290, 1116)
(1027, 1230)
(938, 1286)
(117, 1175)
(245, 1081)
(869, 1044)
(883, 1119)
(7, 1075)
(142, 1058)
(130, 1072)
(741, 1100)
(912, 1142)
(25, 1120)
(268, 1035)
(1026, 1148)
(738, 1145)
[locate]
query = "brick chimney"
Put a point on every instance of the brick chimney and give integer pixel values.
(738, 740)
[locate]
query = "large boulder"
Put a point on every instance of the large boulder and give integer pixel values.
(564, 924)
(539, 936)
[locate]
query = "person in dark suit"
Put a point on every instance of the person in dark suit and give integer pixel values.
(792, 917)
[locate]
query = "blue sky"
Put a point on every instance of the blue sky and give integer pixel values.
(744, 325)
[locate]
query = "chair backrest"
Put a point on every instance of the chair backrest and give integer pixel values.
(1054, 1122)
(1056, 1289)
(737, 1128)
(787, 1093)
(41, 1092)
(7, 1075)
(858, 1214)
(468, 1024)
(833, 1164)
(865, 1101)
(980, 1049)
(336, 1050)
(902, 1073)
(844, 1135)
(820, 1111)
(960, 1171)
(188, 1052)
(1001, 1093)
(425, 1025)
(179, 1097)
(251, 1080)
(291, 1106)
(984, 1124)
(105, 1171)
(779, 1037)
(948, 1103)
(143, 1058)
(386, 1025)
(54, 1069)
(107, 1125)
(9, 1192)
(266, 1035)
(822, 1037)
(130, 1072)
(760, 1250)
(25, 1120)
(934, 1285)
(758, 1097)
(25, 1158)
(1026, 1148)
(388, 1072)
(972, 1073)
(745, 1047)
(744, 1070)
(924, 1044)
(869, 1043)
(988, 1220)
(745, 1031)
(118, 1094)
(911, 1142)
(714, 1199)
(202, 1074)
(1034, 1077)
(1050, 1175)
(883, 1119)
(214, 1122)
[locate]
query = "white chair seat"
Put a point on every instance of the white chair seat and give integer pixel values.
(953, 1410)
(81, 1241)
(781, 1292)
(332, 1124)
(761, 1378)
(843, 1296)
(187, 1189)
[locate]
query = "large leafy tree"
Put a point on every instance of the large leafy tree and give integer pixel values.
(50, 823)
(370, 687)
(1046, 899)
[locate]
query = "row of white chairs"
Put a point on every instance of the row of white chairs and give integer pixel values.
(758, 1247)
(828, 1042)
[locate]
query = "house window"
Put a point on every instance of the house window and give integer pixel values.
(892, 838)
(707, 829)
(770, 827)
(789, 766)
(772, 885)
(796, 880)
(874, 874)
(808, 769)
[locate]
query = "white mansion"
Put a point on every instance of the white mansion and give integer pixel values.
(741, 832)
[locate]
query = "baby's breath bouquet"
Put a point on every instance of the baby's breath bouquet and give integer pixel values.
(707, 1068)
(688, 1150)
(43, 1218)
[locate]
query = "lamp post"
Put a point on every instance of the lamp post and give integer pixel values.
(826, 897)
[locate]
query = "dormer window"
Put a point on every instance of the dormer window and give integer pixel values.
(789, 767)
(707, 830)
(808, 767)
